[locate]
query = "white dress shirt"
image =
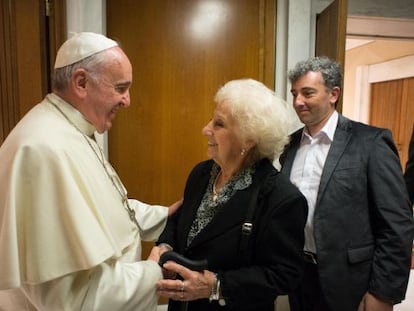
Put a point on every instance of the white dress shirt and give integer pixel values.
(307, 170)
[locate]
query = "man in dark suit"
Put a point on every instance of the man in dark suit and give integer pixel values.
(360, 226)
(409, 169)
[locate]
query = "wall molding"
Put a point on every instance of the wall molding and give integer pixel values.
(399, 68)
(380, 27)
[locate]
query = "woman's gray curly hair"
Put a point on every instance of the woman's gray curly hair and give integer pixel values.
(260, 114)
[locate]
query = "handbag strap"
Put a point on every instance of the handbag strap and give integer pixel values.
(247, 227)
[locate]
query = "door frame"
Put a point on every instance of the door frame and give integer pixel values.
(399, 68)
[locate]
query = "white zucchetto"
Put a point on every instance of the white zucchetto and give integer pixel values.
(81, 46)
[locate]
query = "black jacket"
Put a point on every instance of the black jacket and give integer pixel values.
(273, 262)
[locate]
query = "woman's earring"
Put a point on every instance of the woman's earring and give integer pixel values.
(243, 152)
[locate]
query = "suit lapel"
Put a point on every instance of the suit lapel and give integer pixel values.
(341, 139)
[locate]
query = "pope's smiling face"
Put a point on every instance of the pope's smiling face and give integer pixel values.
(109, 91)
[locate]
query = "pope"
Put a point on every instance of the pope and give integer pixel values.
(70, 238)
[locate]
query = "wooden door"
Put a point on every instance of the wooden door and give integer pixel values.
(29, 36)
(391, 107)
(406, 119)
(181, 51)
(331, 34)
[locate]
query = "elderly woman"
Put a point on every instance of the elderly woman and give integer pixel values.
(239, 213)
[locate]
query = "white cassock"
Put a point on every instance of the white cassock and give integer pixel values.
(66, 239)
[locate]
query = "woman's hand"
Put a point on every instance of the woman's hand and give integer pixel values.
(194, 285)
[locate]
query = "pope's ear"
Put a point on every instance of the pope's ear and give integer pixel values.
(79, 81)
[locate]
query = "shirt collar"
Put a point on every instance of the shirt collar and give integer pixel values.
(328, 129)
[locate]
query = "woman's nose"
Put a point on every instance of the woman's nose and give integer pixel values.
(206, 131)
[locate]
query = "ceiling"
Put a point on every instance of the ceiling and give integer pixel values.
(382, 8)
(390, 11)
(378, 8)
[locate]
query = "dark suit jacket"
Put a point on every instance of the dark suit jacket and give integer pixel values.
(273, 263)
(363, 222)
(409, 169)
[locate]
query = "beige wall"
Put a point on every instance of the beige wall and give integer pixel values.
(359, 57)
